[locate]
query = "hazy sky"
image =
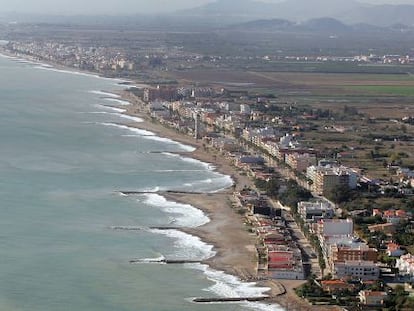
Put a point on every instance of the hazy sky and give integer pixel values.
(118, 6)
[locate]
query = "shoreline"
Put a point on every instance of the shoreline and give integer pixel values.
(226, 232)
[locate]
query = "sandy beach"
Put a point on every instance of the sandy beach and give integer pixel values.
(233, 242)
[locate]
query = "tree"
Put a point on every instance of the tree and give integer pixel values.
(339, 194)
(271, 186)
(294, 194)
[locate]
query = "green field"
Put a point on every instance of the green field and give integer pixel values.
(399, 90)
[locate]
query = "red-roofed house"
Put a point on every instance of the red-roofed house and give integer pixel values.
(372, 298)
(394, 250)
(334, 286)
(280, 259)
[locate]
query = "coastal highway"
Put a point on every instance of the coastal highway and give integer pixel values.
(310, 260)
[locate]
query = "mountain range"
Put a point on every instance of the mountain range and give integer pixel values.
(348, 11)
(320, 25)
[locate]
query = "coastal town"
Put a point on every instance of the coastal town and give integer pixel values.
(130, 61)
(294, 208)
(330, 198)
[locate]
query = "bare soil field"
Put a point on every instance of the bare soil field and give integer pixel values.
(229, 78)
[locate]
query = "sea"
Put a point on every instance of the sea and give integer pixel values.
(67, 233)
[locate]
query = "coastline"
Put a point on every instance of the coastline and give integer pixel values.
(226, 231)
(234, 245)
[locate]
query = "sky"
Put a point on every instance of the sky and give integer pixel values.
(89, 7)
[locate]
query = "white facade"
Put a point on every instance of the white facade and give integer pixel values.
(245, 109)
(363, 270)
(336, 227)
(287, 274)
(325, 178)
(405, 265)
(313, 211)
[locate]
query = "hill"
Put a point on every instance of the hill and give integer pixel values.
(349, 12)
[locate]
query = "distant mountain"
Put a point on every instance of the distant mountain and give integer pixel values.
(228, 8)
(325, 24)
(346, 11)
(316, 25)
(295, 10)
(300, 10)
(381, 15)
(264, 25)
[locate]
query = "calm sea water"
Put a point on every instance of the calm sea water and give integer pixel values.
(66, 234)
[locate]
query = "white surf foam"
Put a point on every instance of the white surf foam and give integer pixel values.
(102, 93)
(149, 135)
(128, 117)
(173, 171)
(152, 190)
(73, 72)
(230, 286)
(8, 56)
(137, 131)
(260, 306)
(152, 260)
(198, 162)
(223, 182)
(190, 160)
(210, 185)
(185, 215)
(118, 101)
(120, 115)
(116, 109)
(170, 141)
(188, 247)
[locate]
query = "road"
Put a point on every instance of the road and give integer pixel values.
(310, 259)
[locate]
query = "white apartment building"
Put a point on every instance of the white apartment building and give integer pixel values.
(326, 178)
(405, 265)
(363, 270)
(314, 211)
(335, 227)
(300, 162)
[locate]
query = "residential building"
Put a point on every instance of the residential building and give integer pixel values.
(335, 227)
(354, 251)
(388, 228)
(361, 270)
(394, 250)
(168, 94)
(285, 263)
(405, 265)
(314, 211)
(336, 286)
(300, 162)
(372, 298)
(327, 178)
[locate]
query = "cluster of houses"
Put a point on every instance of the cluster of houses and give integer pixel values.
(85, 58)
(183, 108)
(371, 58)
(347, 257)
(405, 265)
(278, 255)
